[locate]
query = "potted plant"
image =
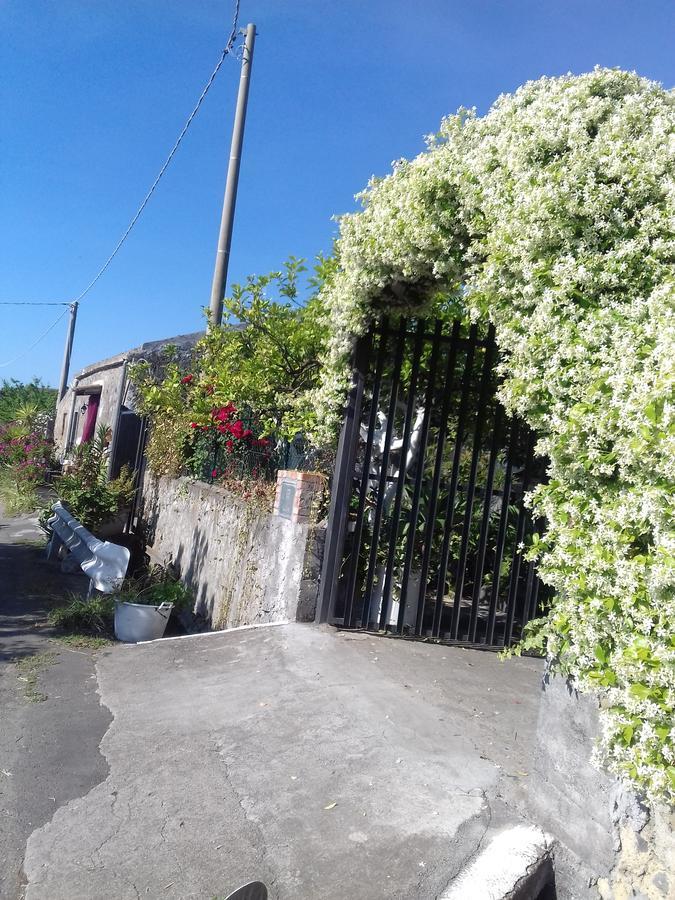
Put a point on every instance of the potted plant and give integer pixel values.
(143, 607)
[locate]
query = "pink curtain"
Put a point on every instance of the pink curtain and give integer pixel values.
(89, 426)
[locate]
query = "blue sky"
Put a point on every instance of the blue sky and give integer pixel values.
(93, 95)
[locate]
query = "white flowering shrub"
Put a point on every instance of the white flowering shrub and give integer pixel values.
(553, 217)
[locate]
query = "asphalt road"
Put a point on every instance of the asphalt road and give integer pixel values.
(51, 720)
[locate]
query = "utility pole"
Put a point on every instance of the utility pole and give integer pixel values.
(63, 385)
(230, 199)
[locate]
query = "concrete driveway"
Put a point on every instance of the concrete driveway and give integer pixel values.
(328, 765)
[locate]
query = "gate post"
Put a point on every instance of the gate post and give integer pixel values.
(341, 488)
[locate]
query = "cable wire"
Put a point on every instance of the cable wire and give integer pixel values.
(227, 49)
(35, 342)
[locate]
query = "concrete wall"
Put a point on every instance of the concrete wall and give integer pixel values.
(244, 565)
(609, 844)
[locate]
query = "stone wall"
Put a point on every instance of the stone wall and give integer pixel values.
(608, 843)
(244, 565)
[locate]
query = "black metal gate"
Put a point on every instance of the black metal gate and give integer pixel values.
(427, 521)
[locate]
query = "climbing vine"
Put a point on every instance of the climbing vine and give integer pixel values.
(552, 217)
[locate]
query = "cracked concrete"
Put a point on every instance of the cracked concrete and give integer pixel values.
(327, 765)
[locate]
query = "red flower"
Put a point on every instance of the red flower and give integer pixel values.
(230, 446)
(236, 429)
(247, 433)
(222, 429)
(187, 379)
(214, 473)
(194, 425)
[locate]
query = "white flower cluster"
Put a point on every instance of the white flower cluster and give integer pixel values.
(553, 217)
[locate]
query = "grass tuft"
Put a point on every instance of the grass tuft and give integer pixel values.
(28, 669)
(82, 618)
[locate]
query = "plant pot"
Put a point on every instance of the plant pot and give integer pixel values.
(136, 622)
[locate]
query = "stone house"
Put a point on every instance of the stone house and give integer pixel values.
(102, 394)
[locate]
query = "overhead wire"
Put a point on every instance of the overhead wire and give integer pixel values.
(226, 50)
(35, 342)
(224, 53)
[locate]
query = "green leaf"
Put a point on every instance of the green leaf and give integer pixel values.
(641, 691)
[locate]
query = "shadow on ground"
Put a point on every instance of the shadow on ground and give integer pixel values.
(52, 720)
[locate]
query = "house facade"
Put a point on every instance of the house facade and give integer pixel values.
(102, 394)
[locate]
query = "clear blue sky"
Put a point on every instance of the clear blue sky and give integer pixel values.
(93, 95)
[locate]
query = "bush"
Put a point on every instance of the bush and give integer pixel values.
(94, 615)
(552, 218)
(25, 456)
(237, 406)
(85, 489)
(16, 397)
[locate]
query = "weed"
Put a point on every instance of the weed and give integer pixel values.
(83, 641)
(17, 497)
(29, 668)
(82, 617)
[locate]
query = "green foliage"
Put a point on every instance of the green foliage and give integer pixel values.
(29, 669)
(16, 398)
(267, 355)
(85, 488)
(25, 455)
(155, 586)
(79, 615)
(250, 375)
(89, 622)
(552, 217)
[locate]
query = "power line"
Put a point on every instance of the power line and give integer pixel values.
(226, 50)
(35, 342)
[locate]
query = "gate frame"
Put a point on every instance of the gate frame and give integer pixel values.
(336, 530)
(343, 486)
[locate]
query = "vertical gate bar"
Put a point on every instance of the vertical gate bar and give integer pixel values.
(486, 377)
(438, 465)
(535, 597)
(485, 521)
(398, 498)
(452, 489)
(138, 473)
(342, 485)
(529, 588)
(419, 477)
(517, 556)
(377, 521)
(501, 535)
(365, 477)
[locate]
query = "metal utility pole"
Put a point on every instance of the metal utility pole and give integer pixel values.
(230, 199)
(63, 384)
